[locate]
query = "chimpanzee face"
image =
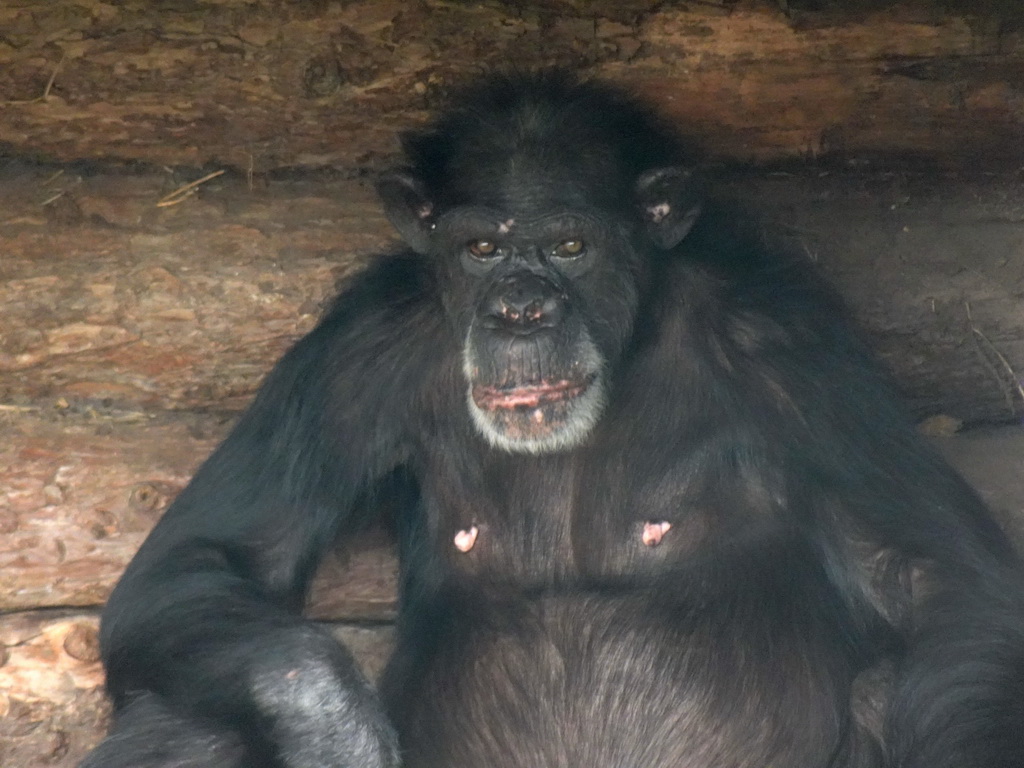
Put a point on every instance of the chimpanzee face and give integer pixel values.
(542, 297)
(535, 364)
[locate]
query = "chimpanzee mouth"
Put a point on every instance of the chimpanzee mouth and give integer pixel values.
(529, 395)
(537, 418)
(519, 409)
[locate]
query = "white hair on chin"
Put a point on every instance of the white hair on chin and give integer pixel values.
(584, 411)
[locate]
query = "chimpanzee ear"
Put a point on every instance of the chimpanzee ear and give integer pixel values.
(670, 201)
(408, 208)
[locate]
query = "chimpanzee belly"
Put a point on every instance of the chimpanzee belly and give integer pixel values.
(617, 677)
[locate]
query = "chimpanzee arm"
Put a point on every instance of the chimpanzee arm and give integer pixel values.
(876, 489)
(959, 693)
(206, 614)
(960, 699)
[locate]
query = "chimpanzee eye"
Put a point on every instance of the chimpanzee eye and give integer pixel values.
(570, 249)
(483, 249)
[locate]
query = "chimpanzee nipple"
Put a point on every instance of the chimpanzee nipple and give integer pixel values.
(653, 532)
(466, 538)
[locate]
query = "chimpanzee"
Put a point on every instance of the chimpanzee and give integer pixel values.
(657, 505)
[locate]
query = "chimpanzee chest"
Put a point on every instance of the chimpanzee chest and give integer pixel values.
(569, 630)
(542, 549)
(554, 522)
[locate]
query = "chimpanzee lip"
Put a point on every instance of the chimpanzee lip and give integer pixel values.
(528, 395)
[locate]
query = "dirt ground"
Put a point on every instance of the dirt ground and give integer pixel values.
(134, 326)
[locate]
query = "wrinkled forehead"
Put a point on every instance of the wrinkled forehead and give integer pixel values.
(503, 224)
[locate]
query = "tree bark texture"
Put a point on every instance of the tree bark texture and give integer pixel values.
(264, 84)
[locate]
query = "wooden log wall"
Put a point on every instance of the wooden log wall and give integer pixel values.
(130, 336)
(885, 139)
(263, 84)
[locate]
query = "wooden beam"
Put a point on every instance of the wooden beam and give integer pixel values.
(257, 84)
(81, 493)
(113, 307)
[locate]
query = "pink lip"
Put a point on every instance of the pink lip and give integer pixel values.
(531, 396)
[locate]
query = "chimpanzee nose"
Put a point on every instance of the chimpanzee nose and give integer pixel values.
(523, 304)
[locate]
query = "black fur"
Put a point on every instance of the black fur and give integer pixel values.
(662, 508)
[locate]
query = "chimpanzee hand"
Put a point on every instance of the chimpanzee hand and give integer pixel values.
(319, 710)
(297, 700)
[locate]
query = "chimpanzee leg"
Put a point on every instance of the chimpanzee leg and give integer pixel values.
(960, 700)
(149, 734)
